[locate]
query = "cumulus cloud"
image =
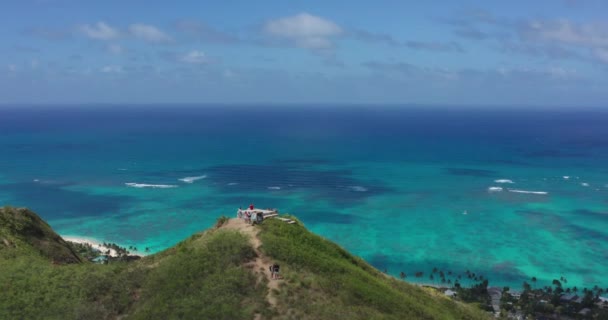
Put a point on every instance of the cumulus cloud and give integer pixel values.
(194, 57)
(100, 31)
(553, 39)
(149, 33)
(304, 30)
(567, 32)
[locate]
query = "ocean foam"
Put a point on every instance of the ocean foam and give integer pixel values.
(274, 188)
(504, 181)
(566, 177)
(233, 183)
(192, 179)
(495, 189)
(358, 188)
(584, 184)
(529, 192)
(154, 186)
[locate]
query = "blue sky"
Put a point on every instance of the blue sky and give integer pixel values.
(521, 53)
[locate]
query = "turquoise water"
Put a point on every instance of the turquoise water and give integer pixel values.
(406, 189)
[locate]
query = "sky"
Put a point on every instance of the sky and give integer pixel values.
(469, 52)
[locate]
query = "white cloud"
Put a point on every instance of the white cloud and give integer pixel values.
(601, 54)
(149, 33)
(111, 69)
(566, 32)
(100, 31)
(115, 48)
(194, 57)
(304, 30)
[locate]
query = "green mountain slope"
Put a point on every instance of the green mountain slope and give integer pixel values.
(216, 274)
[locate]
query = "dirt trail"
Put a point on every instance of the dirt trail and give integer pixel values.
(259, 264)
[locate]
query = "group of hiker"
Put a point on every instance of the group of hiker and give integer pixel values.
(252, 215)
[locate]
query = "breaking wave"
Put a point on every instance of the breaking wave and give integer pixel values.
(192, 179)
(153, 186)
(495, 189)
(529, 192)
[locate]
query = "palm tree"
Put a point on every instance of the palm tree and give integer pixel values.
(534, 282)
(401, 275)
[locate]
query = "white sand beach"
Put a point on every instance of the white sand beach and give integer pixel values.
(96, 244)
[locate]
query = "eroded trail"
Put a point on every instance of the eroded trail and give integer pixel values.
(260, 264)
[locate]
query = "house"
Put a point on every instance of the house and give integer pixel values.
(568, 298)
(585, 311)
(450, 293)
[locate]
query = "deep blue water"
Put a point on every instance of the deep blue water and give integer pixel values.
(407, 189)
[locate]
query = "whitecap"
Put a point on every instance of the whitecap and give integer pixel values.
(233, 183)
(358, 188)
(121, 169)
(274, 188)
(584, 184)
(528, 192)
(566, 177)
(504, 181)
(192, 179)
(495, 189)
(36, 180)
(154, 186)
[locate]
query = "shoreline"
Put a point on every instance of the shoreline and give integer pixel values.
(96, 244)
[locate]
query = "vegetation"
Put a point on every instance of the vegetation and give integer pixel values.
(324, 281)
(555, 301)
(201, 278)
(207, 276)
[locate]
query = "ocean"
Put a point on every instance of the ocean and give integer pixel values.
(505, 193)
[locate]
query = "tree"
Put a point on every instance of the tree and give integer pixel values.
(402, 275)
(557, 283)
(534, 282)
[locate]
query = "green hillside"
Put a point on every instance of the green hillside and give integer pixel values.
(216, 274)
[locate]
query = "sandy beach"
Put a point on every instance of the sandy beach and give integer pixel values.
(96, 244)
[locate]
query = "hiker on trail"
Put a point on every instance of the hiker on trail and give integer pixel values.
(271, 271)
(239, 213)
(251, 206)
(254, 217)
(275, 271)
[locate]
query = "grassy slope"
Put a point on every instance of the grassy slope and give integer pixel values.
(23, 229)
(200, 278)
(204, 277)
(323, 281)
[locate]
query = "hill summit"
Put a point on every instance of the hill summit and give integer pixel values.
(220, 273)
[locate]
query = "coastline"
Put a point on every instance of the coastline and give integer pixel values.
(96, 244)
